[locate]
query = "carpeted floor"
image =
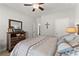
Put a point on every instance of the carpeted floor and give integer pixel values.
(4, 53)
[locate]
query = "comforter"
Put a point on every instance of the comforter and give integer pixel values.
(40, 46)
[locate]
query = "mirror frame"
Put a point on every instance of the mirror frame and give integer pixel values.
(10, 25)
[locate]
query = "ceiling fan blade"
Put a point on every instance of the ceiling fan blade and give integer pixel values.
(33, 9)
(27, 4)
(41, 8)
(40, 3)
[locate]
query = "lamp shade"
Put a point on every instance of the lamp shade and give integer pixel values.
(71, 30)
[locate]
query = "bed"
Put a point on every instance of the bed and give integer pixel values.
(68, 46)
(39, 46)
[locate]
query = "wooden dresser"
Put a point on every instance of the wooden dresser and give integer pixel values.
(13, 38)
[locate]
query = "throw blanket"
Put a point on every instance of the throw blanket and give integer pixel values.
(40, 46)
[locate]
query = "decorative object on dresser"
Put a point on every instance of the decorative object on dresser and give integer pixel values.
(15, 34)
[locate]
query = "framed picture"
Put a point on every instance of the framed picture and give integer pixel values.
(15, 25)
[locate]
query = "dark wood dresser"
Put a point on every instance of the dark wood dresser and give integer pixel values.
(13, 38)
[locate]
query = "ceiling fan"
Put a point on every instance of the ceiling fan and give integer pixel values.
(35, 6)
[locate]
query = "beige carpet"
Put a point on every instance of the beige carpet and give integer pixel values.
(4, 53)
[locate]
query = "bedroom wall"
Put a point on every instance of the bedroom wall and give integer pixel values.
(51, 17)
(77, 15)
(8, 13)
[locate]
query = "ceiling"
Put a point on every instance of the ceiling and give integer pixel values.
(54, 7)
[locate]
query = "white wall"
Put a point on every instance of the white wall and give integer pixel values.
(51, 18)
(8, 13)
(77, 15)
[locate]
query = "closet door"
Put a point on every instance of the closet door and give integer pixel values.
(60, 26)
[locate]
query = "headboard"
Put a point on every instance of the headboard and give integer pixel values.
(78, 29)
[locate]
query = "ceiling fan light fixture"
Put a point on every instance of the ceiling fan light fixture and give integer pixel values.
(36, 6)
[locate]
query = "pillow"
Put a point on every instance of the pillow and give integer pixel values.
(69, 37)
(74, 42)
(64, 48)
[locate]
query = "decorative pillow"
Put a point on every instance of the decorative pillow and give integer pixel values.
(64, 48)
(69, 37)
(75, 41)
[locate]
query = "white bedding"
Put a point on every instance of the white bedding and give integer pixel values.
(40, 46)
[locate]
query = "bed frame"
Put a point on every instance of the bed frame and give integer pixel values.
(78, 29)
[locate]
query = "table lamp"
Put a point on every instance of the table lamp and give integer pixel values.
(71, 30)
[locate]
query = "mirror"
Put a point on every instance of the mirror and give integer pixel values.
(15, 25)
